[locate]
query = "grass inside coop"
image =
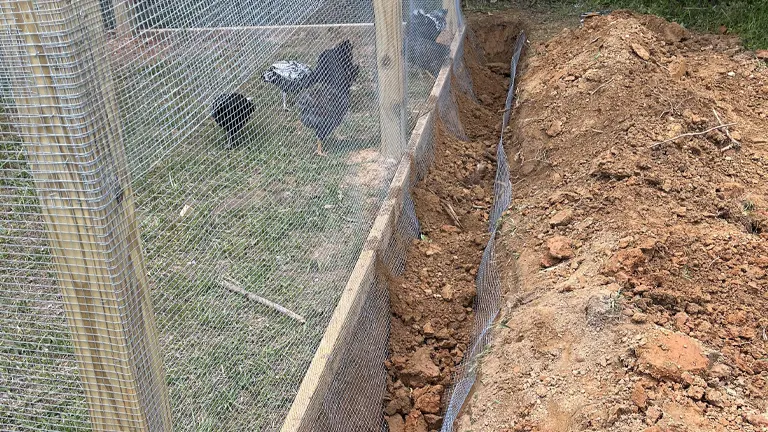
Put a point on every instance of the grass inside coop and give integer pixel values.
(284, 224)
(39, 383)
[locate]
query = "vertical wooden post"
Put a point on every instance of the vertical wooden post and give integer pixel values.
(452, 19)
(73, 140)
(122, 10)
(390, 66)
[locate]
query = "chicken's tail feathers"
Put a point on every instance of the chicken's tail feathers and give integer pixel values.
(344, 52)
(345, 46)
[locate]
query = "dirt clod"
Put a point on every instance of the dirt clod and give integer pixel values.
(555, 128)
(757, 420)
(668, 355)
(420, 369)
(559, 247)
(428, 399)
(678, 68)
(641, 51)
(561, 218)
(652, 415)
(639, 397)
(714, 397)
(396, 423)
(415, 422)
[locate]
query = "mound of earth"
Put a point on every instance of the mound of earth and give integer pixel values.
(639, 224)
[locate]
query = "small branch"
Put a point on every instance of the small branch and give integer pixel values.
(489, 156)
(601, 86)
(690, 134)
(452, 213)
(234, 287)
(734, 144)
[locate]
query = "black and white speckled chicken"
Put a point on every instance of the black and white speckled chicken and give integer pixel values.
(289, 76)
(426, 25)
(325, 103)
(231, 112)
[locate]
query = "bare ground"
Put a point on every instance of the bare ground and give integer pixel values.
(635, 248)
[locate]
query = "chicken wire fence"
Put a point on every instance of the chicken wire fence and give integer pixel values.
(172, 248)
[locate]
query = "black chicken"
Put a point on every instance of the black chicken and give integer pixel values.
(423, 50)
(324, 104)
(426, 25)
(231, 112)
(335, 66)
(322, 108)
(427, 55)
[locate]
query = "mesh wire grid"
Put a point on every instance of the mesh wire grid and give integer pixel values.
(266, 216)
(488, 282)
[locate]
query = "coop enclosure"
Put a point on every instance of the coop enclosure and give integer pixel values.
(151, 277)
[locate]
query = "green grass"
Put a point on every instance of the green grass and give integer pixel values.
(283, 223)
(748, 19)
(39, 384)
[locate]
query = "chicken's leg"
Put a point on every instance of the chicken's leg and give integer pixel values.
(285, 106)
(319, 150)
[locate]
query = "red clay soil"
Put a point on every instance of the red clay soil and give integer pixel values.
(432, 318)
(641, 234)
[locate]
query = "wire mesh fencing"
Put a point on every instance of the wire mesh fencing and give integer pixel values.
(185, 189)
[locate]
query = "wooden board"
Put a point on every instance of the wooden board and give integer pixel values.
(324, 365)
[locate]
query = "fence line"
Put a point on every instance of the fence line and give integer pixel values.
(326, 360)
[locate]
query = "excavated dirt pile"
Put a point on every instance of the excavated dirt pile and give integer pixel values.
(432, 316)
(640, 231)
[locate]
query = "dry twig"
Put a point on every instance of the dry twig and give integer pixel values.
(734, 144)
(452, 213)
(690, 134)
(601, 86)
(234, 287)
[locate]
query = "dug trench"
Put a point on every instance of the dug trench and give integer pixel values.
(431, 303)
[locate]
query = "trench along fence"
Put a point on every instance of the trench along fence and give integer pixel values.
(160, 270)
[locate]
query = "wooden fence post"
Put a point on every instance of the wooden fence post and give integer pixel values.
(452, 19)
(390, 66)
(123, 10)
(71, 129)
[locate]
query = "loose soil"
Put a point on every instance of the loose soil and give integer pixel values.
(639, 260)
(431, 303)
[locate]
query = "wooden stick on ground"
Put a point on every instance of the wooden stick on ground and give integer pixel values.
(601, 86)
(234, 287)
(734, 144)
(690, 134)
(451, 213)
